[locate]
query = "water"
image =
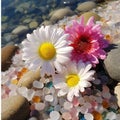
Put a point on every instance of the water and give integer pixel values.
(23, 12)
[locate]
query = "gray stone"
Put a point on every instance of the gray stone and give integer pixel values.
(9, 37)
(33, 24)
(117, 92)
(60, 13)
(86, 6)
(46, 22)
(112, 62)
(28, 20)
(20, 30)
(15, 108)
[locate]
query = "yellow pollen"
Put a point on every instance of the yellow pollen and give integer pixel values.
(47, 51)
(72, 80)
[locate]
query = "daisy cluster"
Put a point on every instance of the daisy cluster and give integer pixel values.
(68, 88)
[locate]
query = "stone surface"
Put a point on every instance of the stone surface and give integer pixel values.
(112, 62)
(46, 22)
(117, 92)
(60, 13)
(28, 78)
(15, 108)
(33, 24)
(7, 53)
(87, 15)
(20, 30)
(86, 6)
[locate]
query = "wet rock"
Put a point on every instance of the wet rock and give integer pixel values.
(9, 37)
(86, 6)
(46, 22)
(87, 15)
(28, 78)
(28, 20)
(112, 62)
(60, 13)
(7, 52)
(117, 92)
(20, 30)
(33, 24)
(15, 108)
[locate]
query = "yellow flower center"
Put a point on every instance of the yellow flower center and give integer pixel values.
(72, 80)
(47, 51)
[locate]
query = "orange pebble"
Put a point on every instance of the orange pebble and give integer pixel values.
(97, 115)
(14, 81)
(36, 99)
(19, 75)
(108, 37)
(24, 70)
(105, 104)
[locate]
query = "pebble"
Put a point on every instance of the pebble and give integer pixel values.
(112, 62)
(38, 84)
(60, 13)
(33, 24)
(20, 30)
(33, 118)
(67, 105)
(86, 6)
(88, 116)
(39, 106)
(49, 98)
(54, 115)
(66, 116)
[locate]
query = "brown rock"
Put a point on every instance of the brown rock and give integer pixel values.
(117, 92)
(7, 52)
(15, 108)
(28, 78)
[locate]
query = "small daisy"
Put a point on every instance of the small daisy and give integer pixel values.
(46, 48)
(87, 41)
(74, 79)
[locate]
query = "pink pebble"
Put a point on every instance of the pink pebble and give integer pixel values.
(75, 101)
(66, 116)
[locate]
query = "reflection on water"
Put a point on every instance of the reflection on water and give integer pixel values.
(29, 14)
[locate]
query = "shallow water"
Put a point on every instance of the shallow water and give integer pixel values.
(22, 12)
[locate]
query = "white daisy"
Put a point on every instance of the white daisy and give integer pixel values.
(46, 48)
(74, 79)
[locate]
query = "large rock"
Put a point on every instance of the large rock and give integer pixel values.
(15, 108)
(20, 30)
(86, 6)
(60, 13)
(117, 92)
(112, 62)
(28, 78)
(7, 52)
(87, 15)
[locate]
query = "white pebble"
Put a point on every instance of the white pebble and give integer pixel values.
(39, 106)
(38, 84)
(57, 108)
(49, 98)
(54, 115)
(68, 105)
(88, 116)
(33, 118)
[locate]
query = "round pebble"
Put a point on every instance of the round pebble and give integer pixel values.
(66, 116)
(39, 106)
(33, 24)
(33, 118)
(88, 116)
(68, 105)
(38, 84)
(49, 98)
(54, 115)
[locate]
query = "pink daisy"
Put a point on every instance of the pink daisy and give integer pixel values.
(87, 41)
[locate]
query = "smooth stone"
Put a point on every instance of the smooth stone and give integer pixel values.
(112, 62)
(117, 92)
(54, 115)
(15, 108)
(7, 52)
(20, 30)
(46, 22)
(87, 15)
(33, 24)
(28, 78)
(86, 6)
(60, 13)
(28, 20)
(9, 37)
